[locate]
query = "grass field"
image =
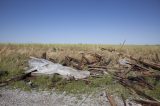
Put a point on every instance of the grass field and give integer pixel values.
(14, 57)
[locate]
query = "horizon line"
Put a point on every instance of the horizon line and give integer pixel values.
(36, 43)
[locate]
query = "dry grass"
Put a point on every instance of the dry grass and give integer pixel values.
(59, 51)
(13, 58)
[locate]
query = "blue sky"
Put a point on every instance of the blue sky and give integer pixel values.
(80, 21)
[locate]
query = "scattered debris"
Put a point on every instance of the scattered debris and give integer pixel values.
(46, 67)
(91, 58)
(139, 92)
(131, 73)
(140, 81)
(124, 62)
(146, 64)
(70, 61)
(152, 65)
(16, 78)
(147, 102)
(110, 99)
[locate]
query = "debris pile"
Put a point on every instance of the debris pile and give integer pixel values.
(134, 78)
(131, 73)
(42, 66)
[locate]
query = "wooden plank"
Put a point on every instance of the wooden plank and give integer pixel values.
(147, 102)
(111, 99)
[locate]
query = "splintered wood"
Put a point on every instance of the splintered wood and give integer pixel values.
(111, 99)
(128, 71)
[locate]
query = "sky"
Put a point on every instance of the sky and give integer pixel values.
(80, 21)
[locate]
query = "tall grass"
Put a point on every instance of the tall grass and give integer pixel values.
(13, 58)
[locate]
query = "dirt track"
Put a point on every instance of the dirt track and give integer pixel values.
(44, 98)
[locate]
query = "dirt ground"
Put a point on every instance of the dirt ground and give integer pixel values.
(45, 98)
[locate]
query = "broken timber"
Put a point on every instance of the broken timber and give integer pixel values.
(110, 99)
(129, 86)
(152, 65)
(16, 78)
(147, 102)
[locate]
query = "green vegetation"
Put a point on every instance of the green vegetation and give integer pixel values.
(13, 59)
(81, 86)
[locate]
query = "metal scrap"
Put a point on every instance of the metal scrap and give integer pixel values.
(45, 67)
